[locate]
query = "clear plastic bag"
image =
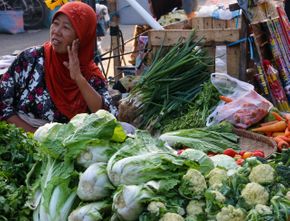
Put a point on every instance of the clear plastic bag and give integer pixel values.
(247, 106)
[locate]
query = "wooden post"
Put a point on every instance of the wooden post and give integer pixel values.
(114, 32)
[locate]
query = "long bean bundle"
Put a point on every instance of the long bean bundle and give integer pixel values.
(172, 80)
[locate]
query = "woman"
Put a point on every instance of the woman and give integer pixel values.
(56, 81)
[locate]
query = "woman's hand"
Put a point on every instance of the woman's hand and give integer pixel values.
(74, 64)
(92, 98)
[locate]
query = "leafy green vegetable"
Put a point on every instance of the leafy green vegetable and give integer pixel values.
(17, 150)
(144, 158)
(211, 139)
(281, 163)
(54, 190)
(194, 114)
(173, 80)
(95, 211)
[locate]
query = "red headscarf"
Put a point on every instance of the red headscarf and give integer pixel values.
(62, 89)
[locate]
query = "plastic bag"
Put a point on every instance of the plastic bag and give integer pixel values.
(247, 106)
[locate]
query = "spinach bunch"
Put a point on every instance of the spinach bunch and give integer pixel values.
(16, 160)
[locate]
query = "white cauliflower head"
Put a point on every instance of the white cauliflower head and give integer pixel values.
(231, 213)
(262, 174)
(171, 217)
(254, 194)
(218, 196)
(193, 184)
(263, 209)
(195, 207)
(155, 207)
(216, 177)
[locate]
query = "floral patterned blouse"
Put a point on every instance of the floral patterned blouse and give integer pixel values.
(23, 89)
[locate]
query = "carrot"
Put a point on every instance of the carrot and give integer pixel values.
(277, 116)
(275, 127)
(225, 99)
(287, 132)
(276, 134)
(268, 123)
(287, 139)
(287, 116)
(281, 143)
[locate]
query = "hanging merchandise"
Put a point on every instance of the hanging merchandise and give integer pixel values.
(280, 53)
(276, 87)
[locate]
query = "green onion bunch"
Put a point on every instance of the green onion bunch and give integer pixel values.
(173, 80)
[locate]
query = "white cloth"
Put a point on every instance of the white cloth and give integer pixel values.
(32, 121)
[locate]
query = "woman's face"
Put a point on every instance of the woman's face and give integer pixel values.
(62, 33)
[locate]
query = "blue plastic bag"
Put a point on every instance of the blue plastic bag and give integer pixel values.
(11, 21)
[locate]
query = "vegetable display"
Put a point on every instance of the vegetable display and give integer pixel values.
(145, 178)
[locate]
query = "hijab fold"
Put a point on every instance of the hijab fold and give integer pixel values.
(63, 90)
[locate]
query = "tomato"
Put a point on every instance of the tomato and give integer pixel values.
(240, 161)
(242, 152)
(230, 152)
(258, 154)
(247, 154)
(261, 151)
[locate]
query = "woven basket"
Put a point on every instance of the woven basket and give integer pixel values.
(253, 141)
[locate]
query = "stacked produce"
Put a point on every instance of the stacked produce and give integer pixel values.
(89, 169)
(277, 129)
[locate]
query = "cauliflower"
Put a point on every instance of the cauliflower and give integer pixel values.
(262, 174)
(218, 196)
(263, 210)
(193, 184)
(156, 207)
(195, 208)
(254, 194)
(216, 177)
(171, 217)
(231, 213)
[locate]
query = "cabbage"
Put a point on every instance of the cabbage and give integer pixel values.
(225, 161)
(144, 158)
(205, 163)
(90, 212)
(128, 201)
(94, 183)
(148, 166)
(93, 127)
(52, 196)
(41, 133)
(97, 151)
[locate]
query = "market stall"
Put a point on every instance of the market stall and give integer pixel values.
(189, 143)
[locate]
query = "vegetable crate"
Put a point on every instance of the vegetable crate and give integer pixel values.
(215, 32)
